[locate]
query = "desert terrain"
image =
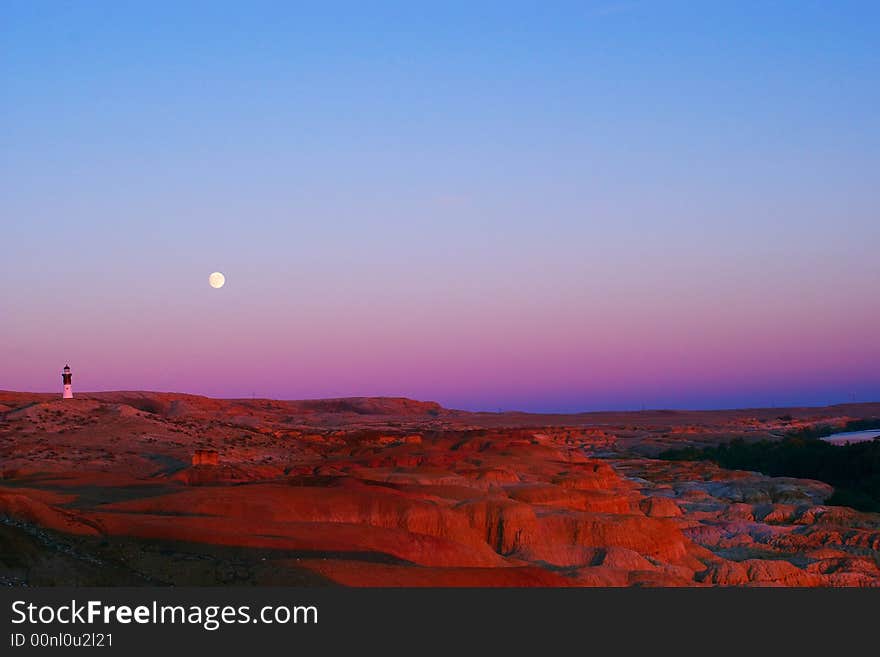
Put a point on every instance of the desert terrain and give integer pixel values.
(131, 488)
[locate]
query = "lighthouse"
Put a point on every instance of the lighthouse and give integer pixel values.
(67, 377)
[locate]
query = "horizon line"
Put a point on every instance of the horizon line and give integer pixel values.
(459, 410)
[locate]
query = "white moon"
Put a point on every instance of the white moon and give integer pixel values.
(217, 280)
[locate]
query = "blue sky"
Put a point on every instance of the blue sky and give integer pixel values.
(535, 205)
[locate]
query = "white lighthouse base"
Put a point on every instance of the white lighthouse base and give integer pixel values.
(68, 392)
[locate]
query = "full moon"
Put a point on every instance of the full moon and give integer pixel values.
(216, 280)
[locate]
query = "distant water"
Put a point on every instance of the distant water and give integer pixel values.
(848, 437)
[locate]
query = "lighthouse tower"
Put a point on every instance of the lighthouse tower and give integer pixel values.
(66, 377)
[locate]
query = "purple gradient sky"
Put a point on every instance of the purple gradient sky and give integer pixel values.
(586, 206)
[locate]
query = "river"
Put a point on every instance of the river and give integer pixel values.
(849, 437)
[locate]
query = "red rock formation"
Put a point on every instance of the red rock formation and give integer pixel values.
(205, 457)
(392, 492)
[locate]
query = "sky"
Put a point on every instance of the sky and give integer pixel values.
(544, 206)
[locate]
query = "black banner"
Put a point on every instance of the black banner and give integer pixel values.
(237, 621)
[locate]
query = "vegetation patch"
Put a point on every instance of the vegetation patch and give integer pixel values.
(853, 470)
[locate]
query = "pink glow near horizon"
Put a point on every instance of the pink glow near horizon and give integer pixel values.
(557, 358)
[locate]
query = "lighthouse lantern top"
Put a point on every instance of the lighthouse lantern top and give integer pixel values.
(67, 379)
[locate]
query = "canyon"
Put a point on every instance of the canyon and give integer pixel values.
(144, 488)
